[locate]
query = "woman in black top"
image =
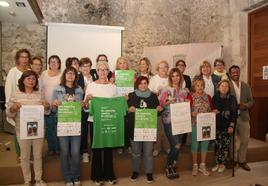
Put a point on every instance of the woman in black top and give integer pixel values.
(142, 97)
(226, 114)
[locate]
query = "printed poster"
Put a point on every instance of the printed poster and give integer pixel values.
(145, 125)
(31, 121)
(124, 81)
(180, 118)
(206, 126)
(69, 119)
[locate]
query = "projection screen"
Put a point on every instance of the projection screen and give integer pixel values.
(80, 40)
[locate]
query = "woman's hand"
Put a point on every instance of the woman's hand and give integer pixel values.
(216, 111)
(132, 109)
(187, 90)
(230, 130)
(126, 96)
(194, 114)
(46, 105)
(56, 103)
(15, 107)
(88, 97)
(112, 80)
(83, 104)
(159, 108)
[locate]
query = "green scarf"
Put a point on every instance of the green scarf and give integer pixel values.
(143, 94)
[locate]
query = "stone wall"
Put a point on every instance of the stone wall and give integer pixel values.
(226, 22)
(15, 37)
(146, 22)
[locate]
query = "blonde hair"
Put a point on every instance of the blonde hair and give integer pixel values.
(195, 82)
(204, 63)
(148, 63)
(162, 62)
(121, 58)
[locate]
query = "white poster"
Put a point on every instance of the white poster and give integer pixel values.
(206, 126)
(31, 121)
(180, 118)
(265, 73)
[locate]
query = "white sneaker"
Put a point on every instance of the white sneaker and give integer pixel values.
(221, 169)
(155, 153)
(203, 169)
(195, 170)
(215, 168)
(85, 158)
(40, 183)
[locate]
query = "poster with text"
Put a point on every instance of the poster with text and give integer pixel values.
(180, 118)
(69, 119)
(145, 125)
(124, 81)
(31, 121)
(206, 126)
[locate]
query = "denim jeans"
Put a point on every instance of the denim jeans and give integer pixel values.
(51, 132)
(146, 147)
(70, 157)
(175, 143)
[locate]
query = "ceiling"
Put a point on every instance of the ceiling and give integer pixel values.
(30, 14)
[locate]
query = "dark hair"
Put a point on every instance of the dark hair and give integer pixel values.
(171, 72)
(36, 58)
(180, 61)
(56, 57)
(69, 61)
(219, 61)
(224, 81)
(19, 52)
(234, 66)
(24, 75)
(101, 55)
(85, 60)
(139, 80)
(63, 79)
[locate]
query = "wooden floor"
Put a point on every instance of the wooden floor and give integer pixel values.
(11, 173)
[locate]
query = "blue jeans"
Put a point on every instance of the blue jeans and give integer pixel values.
(147, 148)
(70, 157)
(175, 144)
(51, 132)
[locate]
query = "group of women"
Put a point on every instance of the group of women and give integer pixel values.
(26, 85)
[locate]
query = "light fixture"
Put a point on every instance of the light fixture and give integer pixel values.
(4, 4)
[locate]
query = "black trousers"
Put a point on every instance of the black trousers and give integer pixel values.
(84, 133)
(102, 162)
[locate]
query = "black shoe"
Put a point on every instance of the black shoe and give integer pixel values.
(150, 178)
(134, 176)
(169, 172)
(174, 172)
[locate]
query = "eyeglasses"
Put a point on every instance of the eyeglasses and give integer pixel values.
(103, 70)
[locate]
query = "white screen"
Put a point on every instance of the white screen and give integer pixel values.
(78, 40)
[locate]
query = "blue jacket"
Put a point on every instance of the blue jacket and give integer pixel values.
(59, 92)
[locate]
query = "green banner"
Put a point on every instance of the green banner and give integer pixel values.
(146, 118)
(69, 112)
(124, 78)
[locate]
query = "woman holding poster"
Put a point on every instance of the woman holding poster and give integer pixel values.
(226, 114)
(173, 93)
(102, 158)
(200, 103)
(69, 91)
(143, 98)
(28, 94)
